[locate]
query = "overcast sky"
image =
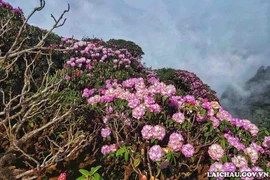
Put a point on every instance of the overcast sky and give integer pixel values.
(222, 41)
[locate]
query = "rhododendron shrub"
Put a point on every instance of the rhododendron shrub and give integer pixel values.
(146, 125)
(90, 64)
(186, 82)
(135, 50)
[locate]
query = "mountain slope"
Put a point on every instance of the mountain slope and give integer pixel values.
(251, 101)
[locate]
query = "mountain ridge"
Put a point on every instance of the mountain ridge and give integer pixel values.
(252, 101)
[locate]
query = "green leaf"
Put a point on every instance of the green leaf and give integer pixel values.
(137, 162)
(31, 124)
(164, 98)
(184, 125)
(84, 172)
(126, 156)
(224, 159)
(202, 112)
(169, 156)
(97, 176)
(148, 114)
(94, 170)
(170, 122)
(223, 143)
(211, 129)
(120, 151)
(206, 134)
(266, 132)
(81, 178)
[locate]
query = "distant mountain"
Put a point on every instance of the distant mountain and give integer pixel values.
(252, 101)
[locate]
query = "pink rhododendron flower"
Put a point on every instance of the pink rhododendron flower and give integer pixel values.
(109, 109)
(62, 176)
(175, 141)
(235, 142)
(105, 149)
(155, 153)
(216, 167)
(105, 132)
(73, 64)
(215, 121)
(138, 112)
(210, 112)
(133, 103)
(239, 161)
(201, 118)
(153, 80)
(252, 153)
(215, 105)
(229, 167)
(190, 99)
(266, 142)
(207, 105)
(176, 137)
(87, 92)
(114, 147)
(159, 132)
(258, 169)
(106, 119)
(179, 117)
(154, 108)
(67, 77)
(147, 132)
(93, 100)
(149, 100)
(256, 147)
(245, 169)
(253, 129)
(216, 152)
(168, 90)
(188, 150)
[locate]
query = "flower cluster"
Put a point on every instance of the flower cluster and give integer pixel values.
(155, 153)
(266, 142)
(188, 150)
(140, 98)
(236, 122)
(95, 52)
(252, 153)
(105, 132)
(176, 141)
(107, 149)
(179, 117)
(8, 6)
(196, 86)
(239, 162)
(234, 141)
(156, 132)
(135, 99)
(87, 92)
(216, 152)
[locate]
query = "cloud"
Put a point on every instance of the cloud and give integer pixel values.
(223, 42)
